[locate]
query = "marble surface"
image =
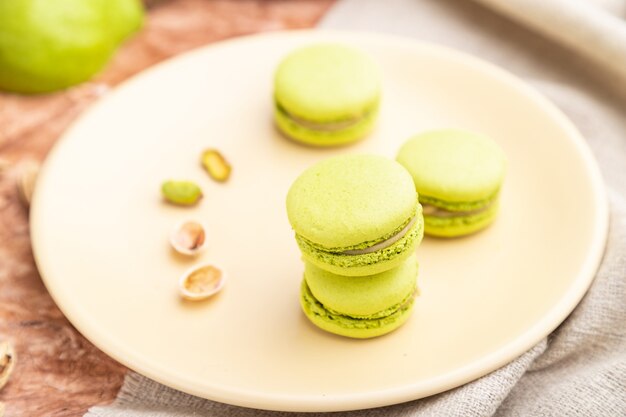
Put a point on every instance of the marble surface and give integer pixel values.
(60, 373)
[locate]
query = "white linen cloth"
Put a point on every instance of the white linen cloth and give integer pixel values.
(580, 369)
(587, 27)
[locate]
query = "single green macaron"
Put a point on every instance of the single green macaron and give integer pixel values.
(458, 175)
(355, 214)
(359, 307)
(326, 95)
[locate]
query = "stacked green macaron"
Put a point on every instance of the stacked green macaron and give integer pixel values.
(458, 175)
(359, 307)
(326, 95)
(357, 221)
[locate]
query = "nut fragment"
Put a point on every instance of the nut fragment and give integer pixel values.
(216, 165)
(188, 237)
(26, 178)
(185, 193)
(7, 362)
(201, 282)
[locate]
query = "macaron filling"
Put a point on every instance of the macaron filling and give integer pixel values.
(327, 126)
(460, 225)
(447, 219)
(385, 243)
(379, 319)
(472, 207)
(379, 260)
(393, 237)
(442, 213)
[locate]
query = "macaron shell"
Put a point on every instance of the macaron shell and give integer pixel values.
(322, 138)
(454, 165)
(366, 296)
(460, 226)
(346, 326)
(347, 200)
(327, 82)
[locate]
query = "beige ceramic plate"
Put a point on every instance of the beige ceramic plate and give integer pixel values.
(100, 230)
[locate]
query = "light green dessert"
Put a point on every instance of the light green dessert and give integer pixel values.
(326, 95)
(50, 45)
(359, 307)
(458, 175)
(355, 214)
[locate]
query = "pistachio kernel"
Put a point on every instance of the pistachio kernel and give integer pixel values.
(184, 193)
(216, 165)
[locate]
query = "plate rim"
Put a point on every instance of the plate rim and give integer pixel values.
(398, 394)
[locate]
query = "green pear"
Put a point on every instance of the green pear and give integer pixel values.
(48, 45)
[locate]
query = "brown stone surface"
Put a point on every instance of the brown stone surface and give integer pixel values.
(59, 373)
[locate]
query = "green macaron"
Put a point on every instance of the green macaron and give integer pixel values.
(326, 95)
(458, 176)
(355, 214)
(359, 307)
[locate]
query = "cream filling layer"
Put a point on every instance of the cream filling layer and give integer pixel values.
(335, 126)
(434, 211)
(385, 243)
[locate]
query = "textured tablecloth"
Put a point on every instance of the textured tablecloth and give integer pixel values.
(580, 369)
